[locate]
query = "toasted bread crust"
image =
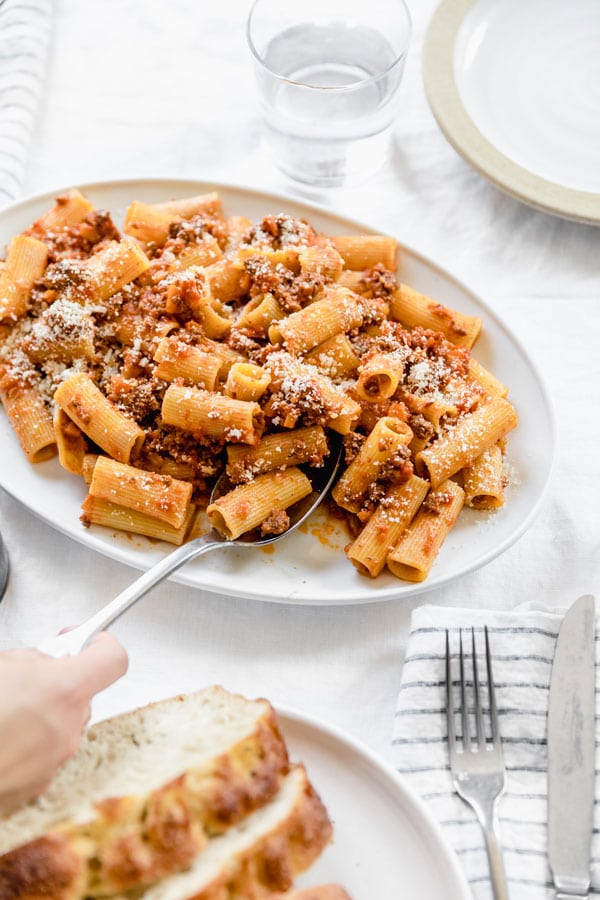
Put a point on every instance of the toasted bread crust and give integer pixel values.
(275, 860)
(46, 868)
(133, 841)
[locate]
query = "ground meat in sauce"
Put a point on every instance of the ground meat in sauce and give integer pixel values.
(241, 342)
(205, 459)
(134, 397)
(277, 523)
(378, 282)
(291, 291)
(81, 240)
(442, 312)
(435, 501)
(421, 427)
(193, 231)
(352, 442)
(279, 232)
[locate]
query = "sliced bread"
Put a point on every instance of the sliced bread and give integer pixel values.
(143, 796)
(262, 854)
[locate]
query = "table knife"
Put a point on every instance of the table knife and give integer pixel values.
(571, 735)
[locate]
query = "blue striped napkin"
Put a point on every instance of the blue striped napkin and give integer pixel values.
(25, 27)
(522, 644)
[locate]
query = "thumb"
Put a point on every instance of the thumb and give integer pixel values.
(101, 663)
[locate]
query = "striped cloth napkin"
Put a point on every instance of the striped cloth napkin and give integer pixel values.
(25, 27)
(522, 644)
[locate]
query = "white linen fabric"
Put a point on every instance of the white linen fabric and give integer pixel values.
(166, 89)
(25, 28)
(522, 646)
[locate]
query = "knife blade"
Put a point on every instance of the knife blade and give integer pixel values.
(571, 734)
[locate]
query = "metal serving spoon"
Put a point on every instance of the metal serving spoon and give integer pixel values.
(4, 568)
(72, 642)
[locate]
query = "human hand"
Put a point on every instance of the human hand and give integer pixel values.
(44, 707)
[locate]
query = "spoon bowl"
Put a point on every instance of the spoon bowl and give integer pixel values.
(72, 642)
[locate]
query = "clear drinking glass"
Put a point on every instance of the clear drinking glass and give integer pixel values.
(328, 73)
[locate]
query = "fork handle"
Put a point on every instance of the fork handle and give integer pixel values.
(487, 813)
(494, 852)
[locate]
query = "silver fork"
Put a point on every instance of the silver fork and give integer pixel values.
(478, 766)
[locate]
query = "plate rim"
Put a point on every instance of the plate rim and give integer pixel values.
(403, 787)
(403, 590)
(469, 142)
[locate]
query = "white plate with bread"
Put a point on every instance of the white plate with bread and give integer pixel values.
(310, 566)
(210, 796)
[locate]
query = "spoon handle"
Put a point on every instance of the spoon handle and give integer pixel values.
(72, 642)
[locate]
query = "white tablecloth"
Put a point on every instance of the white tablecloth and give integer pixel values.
(155, 88)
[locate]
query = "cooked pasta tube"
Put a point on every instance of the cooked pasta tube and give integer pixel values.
(227, 356)
(151, 221)
(25, 263)
(368, 466)
(187, 207)
(203, 253)
(178, 359)
(432, 410)
(353, 280)
(246, 381)
(227, 280)
(369, 551)
(165, 465)
(414, 554)
(250, 505)
(483, 481)
(113, 267)
(158, 496)
(95, 415)
(277, 451)
(286, 256)
(212, 415)
(379, 377)
(87, 466)
(461, 444)
(412, 308)
(260, 313)
(366, 250)
(31, 421)
(304, 389)
(70, 209)
(71, 443)
(64, 332)
(237, 226)
(102, 512)
(324, 261)
(335, 357)
(148, 223)
(190, 292)
(486, 379)
(338, 311)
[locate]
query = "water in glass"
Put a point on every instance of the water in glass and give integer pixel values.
(329, 113)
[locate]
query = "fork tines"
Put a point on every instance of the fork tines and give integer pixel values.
(471, 710)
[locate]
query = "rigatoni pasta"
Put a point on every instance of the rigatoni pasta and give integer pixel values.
(202, 343)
